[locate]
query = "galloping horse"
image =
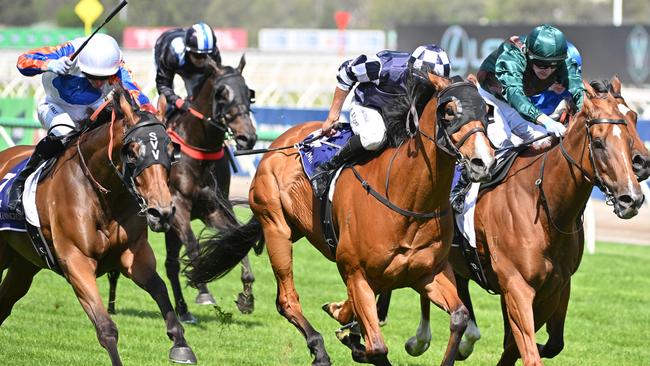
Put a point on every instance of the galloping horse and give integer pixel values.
(400, 242)
(94, 207)
(529, 230)
(200, 182)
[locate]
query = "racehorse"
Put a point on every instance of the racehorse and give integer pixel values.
(398, 238)
(200, 182)
(94, 208)
(529, 233)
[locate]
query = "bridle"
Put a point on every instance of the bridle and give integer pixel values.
(595, 179)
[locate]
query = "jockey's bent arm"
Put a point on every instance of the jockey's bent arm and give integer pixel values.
(34, 62)
(125, 76)
(363, 69)
(509, 70)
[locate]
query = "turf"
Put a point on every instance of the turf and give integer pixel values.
(607, 322)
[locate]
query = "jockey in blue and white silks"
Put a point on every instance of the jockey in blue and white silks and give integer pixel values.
(381, 83)
(76, 86)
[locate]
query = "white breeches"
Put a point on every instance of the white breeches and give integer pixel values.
(52, 115)
(369, 125)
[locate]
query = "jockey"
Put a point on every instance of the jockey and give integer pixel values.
(520, 68)
(381, 81)
(71, 88)
(183, 52)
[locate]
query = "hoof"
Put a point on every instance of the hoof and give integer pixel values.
(205, 298)
(415, 348)
(188, 318)
(245, 303)
(182, 355)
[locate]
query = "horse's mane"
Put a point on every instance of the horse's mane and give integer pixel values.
(395, 114)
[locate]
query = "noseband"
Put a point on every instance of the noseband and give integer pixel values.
(221, 118)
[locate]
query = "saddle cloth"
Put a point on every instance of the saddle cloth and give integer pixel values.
(8, 219)
(315, 151)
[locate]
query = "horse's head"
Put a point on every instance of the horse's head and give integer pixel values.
(146, 155)
(640, 154)
(231, 103)
(609, 142)
(462, 125)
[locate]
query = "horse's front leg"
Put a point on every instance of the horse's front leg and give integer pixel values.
(441, 290)
(80, 271)
(517, 301)
(555, 325)
(140, 266)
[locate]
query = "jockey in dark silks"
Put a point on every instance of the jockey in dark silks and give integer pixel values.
(71, 88)
(380, 81)
(184, 51)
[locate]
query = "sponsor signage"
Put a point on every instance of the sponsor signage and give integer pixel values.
(605, 50)
(26, 38)
(321, 40)
(228, 39)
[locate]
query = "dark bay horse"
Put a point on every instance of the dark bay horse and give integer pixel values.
(200, 182)
(94, 208)
(380, 248)
(529, 230)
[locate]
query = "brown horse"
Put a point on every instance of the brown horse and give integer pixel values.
(200, 182)
(94, 208)
(529, 230)
(382, 245)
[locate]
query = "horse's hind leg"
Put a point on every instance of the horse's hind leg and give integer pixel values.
(141, 268)
(113, 276)
(17, 282)
(245, 300)
(277, 236)
(472, 333)
(442, 292)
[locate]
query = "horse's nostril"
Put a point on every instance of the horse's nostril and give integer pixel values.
(625, 200)
(478, 163)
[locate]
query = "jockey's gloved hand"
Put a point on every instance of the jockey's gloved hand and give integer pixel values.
(553, 127)
(561, 108)
(60, 66)
(180, 104)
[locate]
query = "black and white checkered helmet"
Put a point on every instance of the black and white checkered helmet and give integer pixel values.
(430, 58)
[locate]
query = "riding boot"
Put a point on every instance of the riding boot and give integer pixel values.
(459, 191)
(348, 152)
(48, 147)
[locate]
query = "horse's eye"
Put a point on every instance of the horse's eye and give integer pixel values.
(599, 144)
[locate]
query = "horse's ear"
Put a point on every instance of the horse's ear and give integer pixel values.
(438, 81)
(472, 79)
(162, 108)
(126, 108)
(242, 63)
(591, 93)
(616, 84)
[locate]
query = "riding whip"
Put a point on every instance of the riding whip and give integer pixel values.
(108, 18)
(261, 151)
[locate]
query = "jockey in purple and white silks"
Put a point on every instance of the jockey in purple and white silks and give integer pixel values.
(379, 82)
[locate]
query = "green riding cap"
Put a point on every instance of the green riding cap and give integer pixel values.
(546, 43)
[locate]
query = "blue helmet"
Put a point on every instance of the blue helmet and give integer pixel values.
(200, 38)
(572, 52)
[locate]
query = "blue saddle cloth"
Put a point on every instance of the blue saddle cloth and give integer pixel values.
(8, 219)
(314, 153)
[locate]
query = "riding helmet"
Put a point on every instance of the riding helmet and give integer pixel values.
(547, 44)
(101, 56)
(200, 38)
(429, 58)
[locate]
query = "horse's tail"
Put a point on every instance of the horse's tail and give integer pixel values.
(221, 252)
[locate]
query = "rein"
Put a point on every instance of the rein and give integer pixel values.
(595, 179)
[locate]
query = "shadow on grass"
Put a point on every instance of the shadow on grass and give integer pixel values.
(217, 316)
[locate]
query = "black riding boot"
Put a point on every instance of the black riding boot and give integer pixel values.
(459, 191)
(321, 177)
(48, 147)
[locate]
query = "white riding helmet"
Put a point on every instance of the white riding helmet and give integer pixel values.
(101, 56)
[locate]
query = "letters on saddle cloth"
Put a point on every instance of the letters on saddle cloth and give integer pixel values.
(29, 223)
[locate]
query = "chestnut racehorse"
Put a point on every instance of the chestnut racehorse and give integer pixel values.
(529, 231)
(200, 182)
(94, 208)
(400, 242)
